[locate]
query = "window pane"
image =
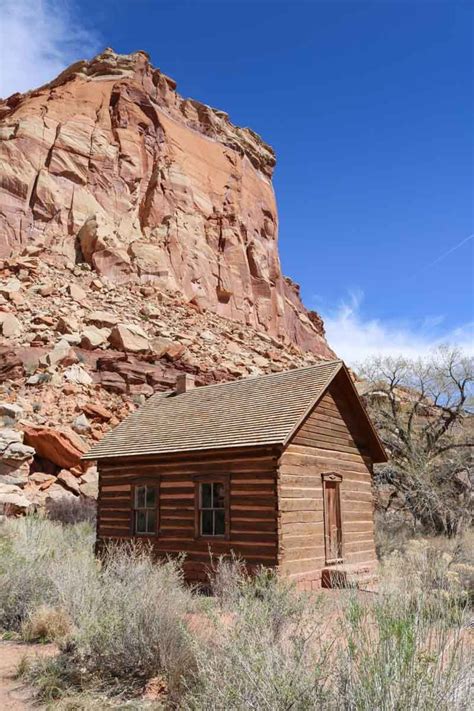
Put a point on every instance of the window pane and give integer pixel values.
(150, 497)
(219, 522)
(219, 498)
(151, 521)
(206, 523)
(140, 522)
(140, 497)
(206, 496)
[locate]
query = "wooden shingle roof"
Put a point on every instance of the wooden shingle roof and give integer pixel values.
(262, 410)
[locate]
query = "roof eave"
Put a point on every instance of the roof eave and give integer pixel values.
(274, 444)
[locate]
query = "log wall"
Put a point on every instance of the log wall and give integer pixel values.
(325, 442)
(252, 495)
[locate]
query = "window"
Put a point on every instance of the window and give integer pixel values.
(212, 508)
(145, 509)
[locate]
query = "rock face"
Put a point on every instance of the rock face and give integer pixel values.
(108, 164)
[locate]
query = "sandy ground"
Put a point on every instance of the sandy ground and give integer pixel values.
(14, 694)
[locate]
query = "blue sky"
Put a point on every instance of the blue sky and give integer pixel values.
(369, 106)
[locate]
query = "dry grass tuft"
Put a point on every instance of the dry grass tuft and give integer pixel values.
(46, 624)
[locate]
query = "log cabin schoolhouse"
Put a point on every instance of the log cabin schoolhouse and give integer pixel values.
(276, 468)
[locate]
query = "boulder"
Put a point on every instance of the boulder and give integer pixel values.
(67, 325)
(44, 319)
(62, 446)
(15, 458)
(90, 490)
(151, 311)
(10, 326)
(91, 476)
(12, 472)
(108, 359)
(46, 290)
(208, 336)
(57, 493)
(129, 337)
(96, 285)
(73, 338)
(12, 286)
(11, 366)
(93, 337)
(42, 480)
(8, 489)
(81, 424)
(150, 260)
(10, 411)
(76, 374)
(12, 447)
(69, 481)
(165, 348)
(113, 264)
(38, 378)
(13, 501)
(35, 494)
(62, 354)
(102, 319)
(97, 411)
(77, 293)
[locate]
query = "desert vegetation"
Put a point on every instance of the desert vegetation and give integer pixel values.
(129, 630)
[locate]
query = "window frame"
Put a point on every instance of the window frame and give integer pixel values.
(211, 479)
(151, 484)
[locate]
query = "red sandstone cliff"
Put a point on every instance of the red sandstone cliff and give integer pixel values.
(108, 164)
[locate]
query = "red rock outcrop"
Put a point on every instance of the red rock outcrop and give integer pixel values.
(108, 164)
(61, 446)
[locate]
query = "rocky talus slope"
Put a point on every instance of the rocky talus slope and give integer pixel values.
(78, 353)
(138, 239)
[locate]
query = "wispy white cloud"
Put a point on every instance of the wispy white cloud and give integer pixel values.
(38, 39)
(355, 337)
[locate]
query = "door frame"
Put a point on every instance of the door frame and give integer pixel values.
(333, 478)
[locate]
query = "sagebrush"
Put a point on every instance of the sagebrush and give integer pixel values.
(128, 623)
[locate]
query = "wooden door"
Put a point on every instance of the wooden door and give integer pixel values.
(332, 518)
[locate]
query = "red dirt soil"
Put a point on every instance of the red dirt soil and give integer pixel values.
(15, 695)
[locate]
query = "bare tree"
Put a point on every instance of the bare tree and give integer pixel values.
(424, 413)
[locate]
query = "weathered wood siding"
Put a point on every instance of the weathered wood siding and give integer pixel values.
(326, 442)
(253, 505)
